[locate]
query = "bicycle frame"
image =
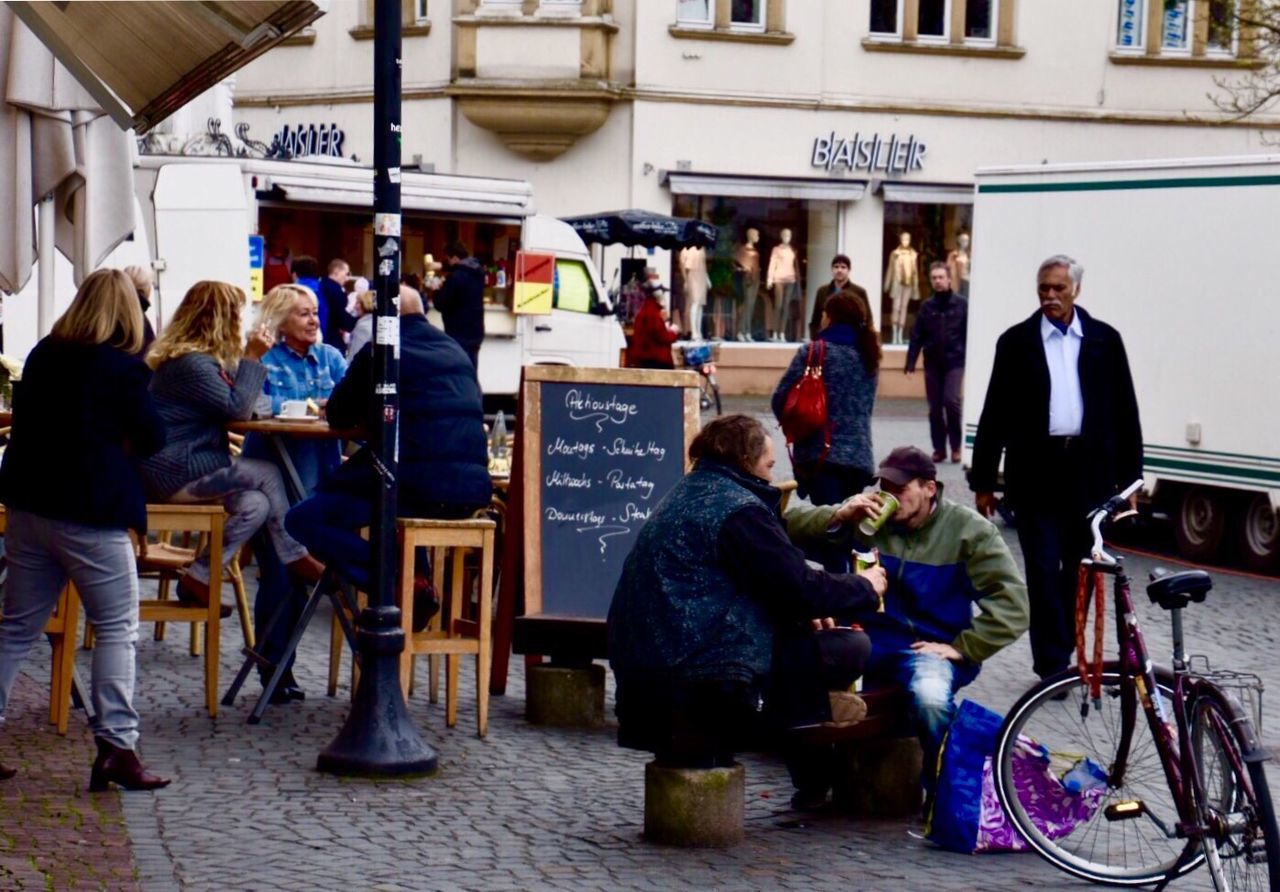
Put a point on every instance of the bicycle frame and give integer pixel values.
(1172, 734)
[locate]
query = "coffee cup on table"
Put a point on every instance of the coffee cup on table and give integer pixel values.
(294, 408)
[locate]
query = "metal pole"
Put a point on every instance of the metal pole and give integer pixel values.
(44, 266)
(378, 737)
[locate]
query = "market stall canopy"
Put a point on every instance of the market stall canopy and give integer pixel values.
(142, 61)
(642, 228)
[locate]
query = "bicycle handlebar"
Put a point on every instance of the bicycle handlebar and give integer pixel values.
(1108, 511)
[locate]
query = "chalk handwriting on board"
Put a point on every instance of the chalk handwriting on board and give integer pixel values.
(575, 448)
(635, 450)
(583, 406)
(605, 532)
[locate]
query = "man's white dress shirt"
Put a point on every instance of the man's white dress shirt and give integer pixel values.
(1062, 353)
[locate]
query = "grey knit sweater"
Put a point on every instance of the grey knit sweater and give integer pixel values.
(196, 400)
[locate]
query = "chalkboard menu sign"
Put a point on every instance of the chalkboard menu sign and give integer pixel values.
(601, 447)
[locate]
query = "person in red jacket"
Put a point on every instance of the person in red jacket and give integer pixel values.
(652, 334)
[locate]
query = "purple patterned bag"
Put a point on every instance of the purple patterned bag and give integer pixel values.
(1063, 790)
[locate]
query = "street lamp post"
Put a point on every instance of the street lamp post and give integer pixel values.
(378, 737)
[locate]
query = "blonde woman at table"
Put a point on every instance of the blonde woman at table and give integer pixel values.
(82, 416)
(299, 367)
(204, 378)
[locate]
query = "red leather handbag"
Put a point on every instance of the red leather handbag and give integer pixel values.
(804, 411)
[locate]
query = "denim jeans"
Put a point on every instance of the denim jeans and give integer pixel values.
(329, 525)
(43, 554)
(931, 682)
(253, 493)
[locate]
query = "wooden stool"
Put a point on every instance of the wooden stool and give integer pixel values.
(206, 519)
(450, 633)
(61, 631)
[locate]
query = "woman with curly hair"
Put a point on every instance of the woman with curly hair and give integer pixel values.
(204, 378)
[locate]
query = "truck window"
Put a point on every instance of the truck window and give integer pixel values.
(573, 289)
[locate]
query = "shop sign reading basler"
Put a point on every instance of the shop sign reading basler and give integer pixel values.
(895, 155)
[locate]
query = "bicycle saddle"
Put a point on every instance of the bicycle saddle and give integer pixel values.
(1173, 591)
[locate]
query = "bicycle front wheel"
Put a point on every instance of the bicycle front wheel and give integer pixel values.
(1241, 843)
(1131, 847)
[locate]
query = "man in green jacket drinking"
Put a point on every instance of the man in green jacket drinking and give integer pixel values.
(943, 560)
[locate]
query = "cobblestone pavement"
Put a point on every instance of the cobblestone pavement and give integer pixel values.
(527, 808)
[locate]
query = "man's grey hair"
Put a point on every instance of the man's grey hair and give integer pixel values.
(1075, 270)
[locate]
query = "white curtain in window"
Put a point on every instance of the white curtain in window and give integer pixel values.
(694, 12)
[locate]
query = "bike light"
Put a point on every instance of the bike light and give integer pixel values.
(1124, 811)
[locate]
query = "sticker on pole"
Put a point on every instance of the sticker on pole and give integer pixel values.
(388, 333)
(535, 281)
(386, 224)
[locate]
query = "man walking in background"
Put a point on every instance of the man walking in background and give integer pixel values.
(840, 283)
(333, 297)
(460, 301)
(1061, 408)
(940, 332)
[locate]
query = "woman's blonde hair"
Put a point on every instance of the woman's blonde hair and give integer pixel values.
(278, 304)
(105, 311)
(207, 321)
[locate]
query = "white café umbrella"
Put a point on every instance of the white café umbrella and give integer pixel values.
(55, 142)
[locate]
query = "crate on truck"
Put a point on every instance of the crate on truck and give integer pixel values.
(1177, 255)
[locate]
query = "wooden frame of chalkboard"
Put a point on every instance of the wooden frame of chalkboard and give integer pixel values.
(599, 403)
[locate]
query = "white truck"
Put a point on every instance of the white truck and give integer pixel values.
(1178, 256)
(196, 215)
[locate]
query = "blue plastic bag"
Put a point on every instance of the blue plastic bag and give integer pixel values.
(956, 816)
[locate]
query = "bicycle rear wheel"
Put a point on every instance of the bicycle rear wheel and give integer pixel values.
(1242, 847)
(1125, 851)
(709, 395)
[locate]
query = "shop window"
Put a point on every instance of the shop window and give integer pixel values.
(915, 237)
(985, 26)
(753, 21)
(573, 288)
(1180, 32)
(413, 20)
(792, 239)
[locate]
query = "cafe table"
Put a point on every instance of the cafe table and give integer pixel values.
(279, 430)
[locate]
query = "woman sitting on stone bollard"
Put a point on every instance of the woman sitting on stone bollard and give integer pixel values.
(717, 617)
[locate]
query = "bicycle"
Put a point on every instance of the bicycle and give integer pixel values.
(1186, 787)
(697, 358)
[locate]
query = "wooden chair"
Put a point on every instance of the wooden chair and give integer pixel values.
(200, 519)
(61, 631)
(168, 562)
(450, 634)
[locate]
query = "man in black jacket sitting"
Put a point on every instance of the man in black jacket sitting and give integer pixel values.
(443, 469)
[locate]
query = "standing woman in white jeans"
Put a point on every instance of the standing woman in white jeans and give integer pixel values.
(82, 416)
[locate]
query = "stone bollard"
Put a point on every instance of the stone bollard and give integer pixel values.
(566, 697)
(880, 777)
(694, 807)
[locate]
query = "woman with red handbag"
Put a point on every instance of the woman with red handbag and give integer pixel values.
(832, 460)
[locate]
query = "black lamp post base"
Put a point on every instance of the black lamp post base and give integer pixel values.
(379, 739)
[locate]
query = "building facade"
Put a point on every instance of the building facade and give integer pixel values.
(841, 126)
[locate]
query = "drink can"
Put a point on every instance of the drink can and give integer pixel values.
(864, 559)
(871, 525)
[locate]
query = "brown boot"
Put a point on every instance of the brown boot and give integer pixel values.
(307, 568)
(955, 457)
(122, 768)
(6, 772)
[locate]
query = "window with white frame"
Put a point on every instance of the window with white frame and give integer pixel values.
(746, 15)
(1175, 26)
(886, 19)
(419, 12)
(1131, 25)
(937, 22)
(1221, 37)
(695, 13)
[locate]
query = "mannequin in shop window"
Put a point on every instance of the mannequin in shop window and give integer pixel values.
(958, 265)
(746, 278)
(901, 283)
(783, 281)
(693, 272)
